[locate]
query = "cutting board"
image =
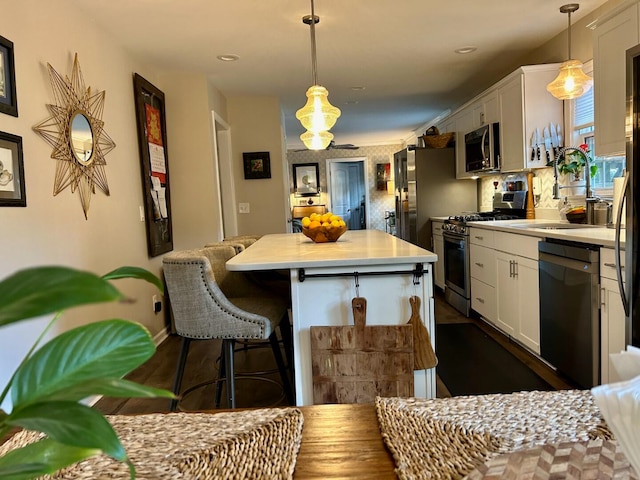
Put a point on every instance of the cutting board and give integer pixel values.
(354, 364)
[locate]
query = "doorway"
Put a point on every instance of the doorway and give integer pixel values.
(227, 222)
(347, 193)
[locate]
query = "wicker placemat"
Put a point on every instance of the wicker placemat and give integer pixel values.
(601, 459)
(229, 445)
(448, 438)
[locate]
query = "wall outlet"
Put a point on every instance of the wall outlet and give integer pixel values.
(141, 211)
(157, 304)
(243, 208)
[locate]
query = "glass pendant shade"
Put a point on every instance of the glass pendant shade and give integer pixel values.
(316, 140)
(571, 81)
(318, 114)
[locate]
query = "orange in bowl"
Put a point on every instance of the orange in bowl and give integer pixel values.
(321, 234)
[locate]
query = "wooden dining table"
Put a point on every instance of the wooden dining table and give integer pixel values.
(342, 441)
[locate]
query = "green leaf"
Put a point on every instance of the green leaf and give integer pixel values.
(40, 291)
(110, 387)
(40, 458)
(105, 349)
(72, 424)
(135, 272)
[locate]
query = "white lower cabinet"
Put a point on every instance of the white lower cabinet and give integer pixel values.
(504, 283)
(438, 249)
(518, 312)
(612, 317)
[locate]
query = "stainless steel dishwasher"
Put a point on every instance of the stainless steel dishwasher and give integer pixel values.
(570, 309)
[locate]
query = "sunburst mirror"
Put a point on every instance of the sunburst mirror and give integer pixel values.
(75, 130)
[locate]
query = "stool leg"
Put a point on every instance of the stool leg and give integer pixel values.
(286, 384)
(229, 345)
(221, 376)
(177, 381)
(287, 340)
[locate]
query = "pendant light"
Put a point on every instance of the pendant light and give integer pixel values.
(571, 81)
(318, 115)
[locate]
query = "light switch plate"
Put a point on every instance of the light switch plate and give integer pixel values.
(243, 208)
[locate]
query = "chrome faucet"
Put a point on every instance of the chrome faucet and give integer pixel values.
(590, 200)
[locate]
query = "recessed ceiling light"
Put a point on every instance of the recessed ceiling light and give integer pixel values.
(463, 50)
(229, 57)
(358, 88)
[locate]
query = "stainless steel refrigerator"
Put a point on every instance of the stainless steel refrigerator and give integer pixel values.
(630, 291)
(425, 187)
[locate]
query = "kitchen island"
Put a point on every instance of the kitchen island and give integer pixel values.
(325, 277)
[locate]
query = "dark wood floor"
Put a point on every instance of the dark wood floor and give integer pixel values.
(202, 367)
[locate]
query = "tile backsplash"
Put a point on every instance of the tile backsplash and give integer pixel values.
(546, 206)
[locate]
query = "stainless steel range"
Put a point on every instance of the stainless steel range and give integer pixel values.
(506, 206)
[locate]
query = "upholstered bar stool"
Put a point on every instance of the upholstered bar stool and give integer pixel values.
(208, 302)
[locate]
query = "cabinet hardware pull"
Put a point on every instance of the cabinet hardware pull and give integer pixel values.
(515, 268)
(481, 265)
(613, 265)
(478, 238)
(481, 300)
(602, 297)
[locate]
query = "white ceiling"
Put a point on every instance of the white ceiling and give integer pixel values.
(402, 52)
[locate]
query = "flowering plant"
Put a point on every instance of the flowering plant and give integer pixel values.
(573, 162)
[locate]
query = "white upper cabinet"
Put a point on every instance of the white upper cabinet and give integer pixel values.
(612, 36)
(525, 107)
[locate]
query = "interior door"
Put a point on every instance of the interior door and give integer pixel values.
(347, 193)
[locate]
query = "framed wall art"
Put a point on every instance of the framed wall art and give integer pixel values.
(12, 193)
(8, 101)
(306, 179)
(152, 142)
(256, 165)
(383, 175)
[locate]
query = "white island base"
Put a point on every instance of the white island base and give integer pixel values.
(385, 266)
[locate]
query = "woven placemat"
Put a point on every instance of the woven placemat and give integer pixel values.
(449, 437)
(229, 445)
(598, 459)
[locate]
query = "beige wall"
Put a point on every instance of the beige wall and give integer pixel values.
(193, 176)
(255, 127)
(53, 230)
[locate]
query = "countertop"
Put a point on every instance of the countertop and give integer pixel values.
(593, 234)
(357, 247)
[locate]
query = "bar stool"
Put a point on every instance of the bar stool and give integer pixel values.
(209, 302)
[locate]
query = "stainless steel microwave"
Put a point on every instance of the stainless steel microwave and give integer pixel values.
(482, 149)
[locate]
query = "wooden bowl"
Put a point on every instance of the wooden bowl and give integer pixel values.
(577, 217)
(324, 234)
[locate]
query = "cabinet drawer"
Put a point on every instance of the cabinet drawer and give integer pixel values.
(521, 245)
(436, 227)
(480, 236)
(608, 263)
(483, 264)
(483, 299)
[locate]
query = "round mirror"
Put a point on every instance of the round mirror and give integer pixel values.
(81, 138)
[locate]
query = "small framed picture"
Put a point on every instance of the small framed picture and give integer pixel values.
(256, 165)
(305, 179)
(8, 101)
(12, 192)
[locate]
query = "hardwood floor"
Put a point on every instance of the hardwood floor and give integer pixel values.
(202, 368)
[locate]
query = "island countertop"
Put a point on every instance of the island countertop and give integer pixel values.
(357, 247)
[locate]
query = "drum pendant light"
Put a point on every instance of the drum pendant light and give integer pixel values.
(571, 81)
(318, 115)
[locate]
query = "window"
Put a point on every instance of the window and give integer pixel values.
(582, 130)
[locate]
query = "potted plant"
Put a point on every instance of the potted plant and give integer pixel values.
(573, 163)
(49, 385)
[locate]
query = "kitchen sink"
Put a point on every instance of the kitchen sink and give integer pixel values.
(555, 226)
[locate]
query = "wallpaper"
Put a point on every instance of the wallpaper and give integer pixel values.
(379, 201)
